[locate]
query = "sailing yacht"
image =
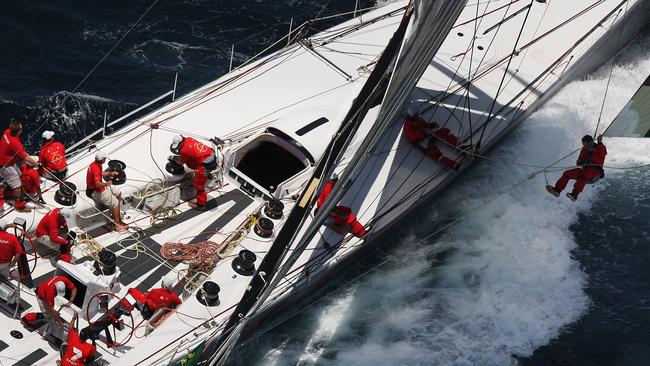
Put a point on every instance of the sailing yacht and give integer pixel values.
(282, 126)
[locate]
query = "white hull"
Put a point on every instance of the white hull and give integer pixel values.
(287, 91)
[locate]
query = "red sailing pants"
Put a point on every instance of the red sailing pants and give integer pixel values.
(434, 152)
(200, 178)
(581, 175)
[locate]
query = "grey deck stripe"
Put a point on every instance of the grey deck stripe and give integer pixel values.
(3, 346)
(31, 358)
(134, 269)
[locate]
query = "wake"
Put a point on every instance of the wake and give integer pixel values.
(496, 285)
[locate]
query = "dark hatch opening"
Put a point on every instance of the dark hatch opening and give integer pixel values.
(269, 165)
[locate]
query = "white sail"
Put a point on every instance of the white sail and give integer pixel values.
(634, 119)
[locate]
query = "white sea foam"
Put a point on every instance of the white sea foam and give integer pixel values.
(507, 283)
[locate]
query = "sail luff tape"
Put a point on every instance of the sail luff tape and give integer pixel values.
(309, 192)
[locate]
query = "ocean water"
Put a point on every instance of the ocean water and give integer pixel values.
(521, 278)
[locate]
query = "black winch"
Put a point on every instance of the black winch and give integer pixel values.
(273, 209)
(208, 295)
(264, 227)
(66, 195)
(174, 168)
(244, 264)
(117, 166)
(106, 263)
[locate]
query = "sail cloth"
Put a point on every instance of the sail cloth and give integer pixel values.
(634, 119)
(431, 22)
(392, 81)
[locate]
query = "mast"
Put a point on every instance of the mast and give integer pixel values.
(397, 71)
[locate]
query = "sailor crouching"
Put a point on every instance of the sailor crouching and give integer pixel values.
(51, 157)
(11, 149)
(199, 157)
(51, 231)
(46, 293)
(31, 182)
(10, 250)
(102, 192)
(155, 299)
(341, 219)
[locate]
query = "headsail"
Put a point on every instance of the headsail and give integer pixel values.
(392, 80)
(634, 119)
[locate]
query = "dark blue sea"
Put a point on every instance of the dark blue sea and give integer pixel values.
(521, 278)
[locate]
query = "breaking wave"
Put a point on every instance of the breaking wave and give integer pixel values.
(496, 285)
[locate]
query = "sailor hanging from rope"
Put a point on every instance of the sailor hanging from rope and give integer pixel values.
(51, 157)
(416, 130)
(199, 157)
(11, 149)
(341, 219)
(590, 168)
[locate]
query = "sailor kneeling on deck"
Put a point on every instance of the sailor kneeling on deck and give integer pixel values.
(51, 157)
(10, 250)
(102, 192)
(199, 157)
(155, 299)
(51, 231)
(416, 130)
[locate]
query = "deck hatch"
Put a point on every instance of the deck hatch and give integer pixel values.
(311, 126)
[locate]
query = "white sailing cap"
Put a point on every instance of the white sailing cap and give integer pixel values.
(167, 283)
(66, 213)
(34, 157)
(60, 288)
(48, 135)
(176, 140)
(100, 156)
(3, 224)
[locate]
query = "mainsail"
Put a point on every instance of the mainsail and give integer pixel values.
(634, 119)
(397, 71)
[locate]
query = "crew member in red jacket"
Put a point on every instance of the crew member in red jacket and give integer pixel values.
(416, 129)
(51, 231)
(76, 351)
(155, 299)
(45, 293)
(11, 149)
(31, 182)
(96, 189)
(199, 157)
(590, 162)
(10, 250)
(52, 158)
(341, 219)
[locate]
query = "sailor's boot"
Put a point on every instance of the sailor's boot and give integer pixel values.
(552, 190)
